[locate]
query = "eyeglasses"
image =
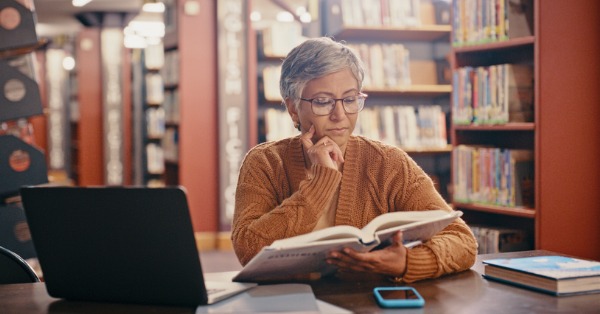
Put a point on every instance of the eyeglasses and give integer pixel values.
(322, 106)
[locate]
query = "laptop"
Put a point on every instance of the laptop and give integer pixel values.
(119, 244)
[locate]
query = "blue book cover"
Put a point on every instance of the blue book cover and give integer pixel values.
(554, 267)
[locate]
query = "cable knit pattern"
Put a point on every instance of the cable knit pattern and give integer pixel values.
(276, 199)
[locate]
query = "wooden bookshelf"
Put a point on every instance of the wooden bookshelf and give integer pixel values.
(564, 135)
(421, 33)
(425, 44)
(192, 34)
(419, 90)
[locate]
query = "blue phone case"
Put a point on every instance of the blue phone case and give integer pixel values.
(414, 298)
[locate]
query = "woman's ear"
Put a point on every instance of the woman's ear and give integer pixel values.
(291, 108)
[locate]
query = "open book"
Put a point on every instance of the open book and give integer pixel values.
(303, 256)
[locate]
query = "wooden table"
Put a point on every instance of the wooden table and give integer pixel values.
(466, 292)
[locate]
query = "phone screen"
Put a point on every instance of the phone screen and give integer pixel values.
(398, 294)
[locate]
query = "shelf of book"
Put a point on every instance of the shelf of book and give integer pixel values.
(190, 142)
(557, 43)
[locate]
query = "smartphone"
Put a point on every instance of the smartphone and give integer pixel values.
(394, 297)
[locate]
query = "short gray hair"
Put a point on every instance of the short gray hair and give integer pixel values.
(314, 58)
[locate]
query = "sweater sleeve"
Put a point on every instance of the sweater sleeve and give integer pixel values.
(263, 211)
(452, 250)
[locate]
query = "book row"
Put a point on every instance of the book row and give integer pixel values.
(378, 13)
(497, 240)
(166, 150)
(155, 122)
(387, 66)
(483, 21)
(170, 144)
(493, 94)
(171, 105)
(155, 94)
(409, 127)
(154, 56)
(279, 38)
(155, 159)
(170, 70)
(494, 176)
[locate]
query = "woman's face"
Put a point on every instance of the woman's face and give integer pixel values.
(338, 125)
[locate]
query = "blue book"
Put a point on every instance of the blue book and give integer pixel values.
(557, 275)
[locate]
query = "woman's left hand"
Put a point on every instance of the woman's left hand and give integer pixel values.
(390, 260)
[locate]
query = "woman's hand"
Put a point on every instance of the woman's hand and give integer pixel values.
(325, 151)
(389, 261)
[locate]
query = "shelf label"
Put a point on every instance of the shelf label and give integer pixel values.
(233, 101)
(111, 48)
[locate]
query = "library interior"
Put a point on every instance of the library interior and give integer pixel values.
(497, 101)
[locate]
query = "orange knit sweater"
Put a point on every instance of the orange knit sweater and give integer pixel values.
(275, 199)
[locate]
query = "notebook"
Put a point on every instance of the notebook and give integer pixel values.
(119, 244)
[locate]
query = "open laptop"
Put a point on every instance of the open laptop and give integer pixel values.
(119, 244)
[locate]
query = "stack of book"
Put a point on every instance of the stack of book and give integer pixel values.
(552, 274)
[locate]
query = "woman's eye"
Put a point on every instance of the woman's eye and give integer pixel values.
(349, 100)
(322, 101)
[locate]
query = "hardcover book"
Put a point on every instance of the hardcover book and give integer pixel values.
(557, 275)
(304, 256)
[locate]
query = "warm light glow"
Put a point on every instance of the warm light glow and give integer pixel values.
(80, 3)
(148, 28)
(154, 7)
(68, 63)
(285, 16)
(305, 17)
(134, 41)
(255, 16)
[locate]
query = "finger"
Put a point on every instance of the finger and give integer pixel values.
(333, 150)
(337, 154)
(397, 238)
(306, 138)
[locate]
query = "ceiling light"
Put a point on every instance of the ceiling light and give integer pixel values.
(284, 16)
(153, 7)
(255, 16)
(80, 3)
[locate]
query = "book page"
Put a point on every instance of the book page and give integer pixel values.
(331, 233)
(295, 263)
(389, 223)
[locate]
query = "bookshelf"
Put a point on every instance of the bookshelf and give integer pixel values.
(191, 136)
(416, 94)
(562, 134)
(149, 115)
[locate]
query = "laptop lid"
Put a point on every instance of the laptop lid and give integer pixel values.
(116, 244)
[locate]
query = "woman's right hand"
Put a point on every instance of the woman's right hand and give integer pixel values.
(324, 152)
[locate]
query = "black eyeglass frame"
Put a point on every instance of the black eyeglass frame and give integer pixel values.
(359, 96)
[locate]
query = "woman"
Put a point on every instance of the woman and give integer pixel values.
(326, 176)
